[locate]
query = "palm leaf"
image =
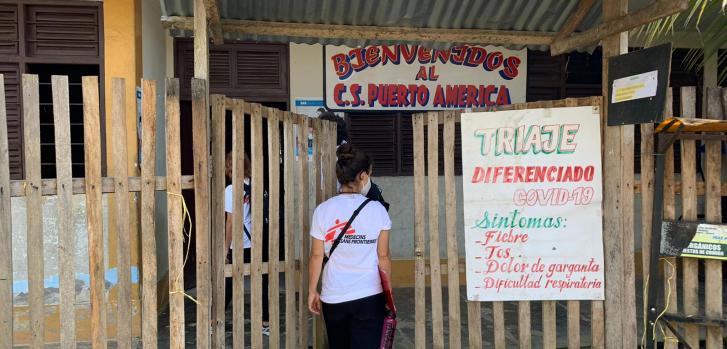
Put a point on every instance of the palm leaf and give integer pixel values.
(709, 13)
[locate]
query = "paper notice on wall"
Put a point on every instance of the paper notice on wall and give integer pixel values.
(634, 87)
(532, 204)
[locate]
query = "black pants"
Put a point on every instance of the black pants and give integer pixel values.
(356, 323)
(228, 289)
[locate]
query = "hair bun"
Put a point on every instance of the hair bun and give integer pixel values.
(346, 151)
(351, 162)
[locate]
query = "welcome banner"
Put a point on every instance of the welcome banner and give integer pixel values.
(532, 204)
(412, 77)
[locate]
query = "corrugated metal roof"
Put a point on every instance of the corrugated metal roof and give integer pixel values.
(518, 15)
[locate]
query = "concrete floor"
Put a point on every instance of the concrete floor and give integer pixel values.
(405, 329)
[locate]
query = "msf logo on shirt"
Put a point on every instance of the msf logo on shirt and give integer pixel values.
(331, 233)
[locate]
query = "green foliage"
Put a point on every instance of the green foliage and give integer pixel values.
(707, 18)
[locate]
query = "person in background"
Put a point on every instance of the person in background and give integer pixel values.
(369, 189)
(247, 238)
(351, 299)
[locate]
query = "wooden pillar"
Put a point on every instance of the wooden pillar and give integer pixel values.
(618, 143)
(201, 71)
(201, 41)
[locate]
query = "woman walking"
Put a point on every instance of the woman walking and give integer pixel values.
(350, 245)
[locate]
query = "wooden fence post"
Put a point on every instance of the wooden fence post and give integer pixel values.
(451, 224)
(66, 233)
(419, 235)
(34, 208)
(256, 124)
(713, 214)
(175, 226)
(238, 247)
(148, 206)
(217, 195)
(202, 208)
(274, 225)
(669, 214)
(690, 266)
(303, 212)
(433, 214)
(290, 272)
(121, 199)
(6, 232)
(94, 203)
(613, 206)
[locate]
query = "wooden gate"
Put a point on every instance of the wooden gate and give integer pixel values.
(303, 184)
(688, 189)
(426, 186)
(692, 181)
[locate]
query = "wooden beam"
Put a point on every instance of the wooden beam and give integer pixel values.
(650, 13)
(574, 20)
(213, 18)
(201, 40)
(331, 31)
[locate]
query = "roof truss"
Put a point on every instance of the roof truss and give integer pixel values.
(333, 31)
(561, 42)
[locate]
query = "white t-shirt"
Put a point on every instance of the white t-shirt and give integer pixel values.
(245, 210)
(352, 271)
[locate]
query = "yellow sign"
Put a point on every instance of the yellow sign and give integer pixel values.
(710, 242)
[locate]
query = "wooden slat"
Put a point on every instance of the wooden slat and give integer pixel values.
(31, 146)
(713, 214)
(574, 324)
(498, 319)
(94, 202)
(419, 235)
(474, 324)
(647, 191)
(256, 295)
(451, 223)
(49, 186)
(549, 324)
(613, 209)
(202, 209)
(573, 316)
(238, 247)
(121, 199)
(175, 225)
(318, 141)
(6, 232)
(598, 337)
(670, 213)
(289, 173)
(148, 206)
(217, 183)
(628, 313)
(274, 228)
(66, 233)
(523, 326)
(319, 339)
(333, 181)
(690, 266)
(433, 215)
(303, 212)
(670, 277)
